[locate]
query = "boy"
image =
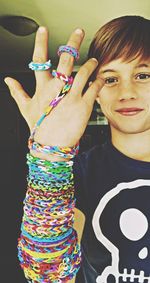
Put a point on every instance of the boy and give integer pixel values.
(111, 181)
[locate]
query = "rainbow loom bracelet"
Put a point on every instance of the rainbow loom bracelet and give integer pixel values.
(69, 49)
(40, 66)
(65, 152)
(48, 248)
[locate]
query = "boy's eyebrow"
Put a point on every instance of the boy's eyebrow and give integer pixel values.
(108, 70)
(142, 65)
(138, 66)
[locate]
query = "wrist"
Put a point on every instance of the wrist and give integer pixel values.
(52, 153)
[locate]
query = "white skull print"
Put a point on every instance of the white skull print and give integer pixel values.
(121, 224)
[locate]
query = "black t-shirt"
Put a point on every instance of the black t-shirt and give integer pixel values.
(113, 192)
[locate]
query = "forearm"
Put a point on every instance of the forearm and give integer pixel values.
(48, 246)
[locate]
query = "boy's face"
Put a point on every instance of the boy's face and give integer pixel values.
(125, 97)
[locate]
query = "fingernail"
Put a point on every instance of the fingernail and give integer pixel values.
(41, 29)
(94, 59)
(6, 80)
(79, 31)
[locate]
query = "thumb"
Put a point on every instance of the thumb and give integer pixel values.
(17, 92)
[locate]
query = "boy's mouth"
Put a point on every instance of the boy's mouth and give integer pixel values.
(129, 111)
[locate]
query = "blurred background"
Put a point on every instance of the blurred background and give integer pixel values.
(19, 20)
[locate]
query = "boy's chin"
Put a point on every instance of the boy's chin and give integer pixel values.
(128, 129)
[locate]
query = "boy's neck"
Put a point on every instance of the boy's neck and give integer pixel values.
(136, 146)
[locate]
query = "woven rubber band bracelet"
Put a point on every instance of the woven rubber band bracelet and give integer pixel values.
(68, 49)
(64, 152)
(40, 66)
(67, 79)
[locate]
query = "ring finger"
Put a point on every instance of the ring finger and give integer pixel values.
(66, 60)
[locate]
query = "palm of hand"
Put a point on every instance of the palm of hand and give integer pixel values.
(66, 123)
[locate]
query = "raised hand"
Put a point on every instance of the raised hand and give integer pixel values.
(66, 123)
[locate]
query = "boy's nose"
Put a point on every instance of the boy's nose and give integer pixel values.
(127, 92)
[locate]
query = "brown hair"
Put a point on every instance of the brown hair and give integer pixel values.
(127, 37)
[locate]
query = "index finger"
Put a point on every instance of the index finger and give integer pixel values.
(66, 60)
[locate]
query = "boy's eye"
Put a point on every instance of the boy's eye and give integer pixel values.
(143, 76)
(111, 80)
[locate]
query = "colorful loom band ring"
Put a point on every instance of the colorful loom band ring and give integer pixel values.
(40, 66)
(69, 49)
(62, 77)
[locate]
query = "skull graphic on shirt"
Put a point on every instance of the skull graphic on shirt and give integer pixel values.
(121, 224)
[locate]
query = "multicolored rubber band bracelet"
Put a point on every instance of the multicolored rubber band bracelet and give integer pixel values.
(65, 152)
(53, 103)
(68, 49)
(67, 79)
(49, 240)
(40, 66)
(62, 77)
(43, 255)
